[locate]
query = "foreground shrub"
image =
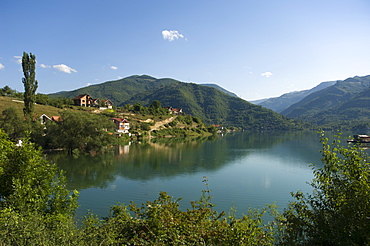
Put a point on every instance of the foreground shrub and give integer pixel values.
(35, 206)
(338, 210)
(161, 222)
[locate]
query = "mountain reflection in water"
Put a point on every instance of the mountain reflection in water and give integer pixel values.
(244, 169)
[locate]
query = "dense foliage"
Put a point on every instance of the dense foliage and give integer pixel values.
(12, 123)
(35, 206)
(338, 210)
(161, 222)
(7, 91)
(79, 131)
(60, 102)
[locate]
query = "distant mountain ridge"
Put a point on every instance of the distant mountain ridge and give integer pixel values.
(329, 97)
(279, 104)
(343, 105)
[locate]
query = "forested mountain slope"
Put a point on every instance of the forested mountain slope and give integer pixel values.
(354, 113)
(215, 107)
(220, 89)
(121, 90)
(328, 98)
(279, 104)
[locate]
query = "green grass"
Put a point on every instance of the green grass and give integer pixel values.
(7, 102)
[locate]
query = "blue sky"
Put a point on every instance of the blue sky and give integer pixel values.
(254, 48)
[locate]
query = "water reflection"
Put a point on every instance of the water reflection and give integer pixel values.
(167, 158)
(245, 169)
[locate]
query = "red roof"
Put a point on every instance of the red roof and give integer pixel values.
(123, 120)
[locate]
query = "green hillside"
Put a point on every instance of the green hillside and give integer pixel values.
(328, 98)
(344, 105)
(279, 104)
(220, 89)
(119, 90)
(354, 113)
(215, 107)
(17, 104)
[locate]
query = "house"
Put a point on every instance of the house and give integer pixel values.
(94, 102)
(108, 103)
(175, 111)
(122, 125)
(82, 100)
(85, 101)
(44, 118)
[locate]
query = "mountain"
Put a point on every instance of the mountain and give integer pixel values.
(121, 90)
(220, 89)
(328, 98)
(279, 104)
(343, 105)
(214, 107)
(210, 102)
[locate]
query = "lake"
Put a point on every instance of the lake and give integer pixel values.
(243, 170)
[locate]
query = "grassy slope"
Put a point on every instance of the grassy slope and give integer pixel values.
(6, 102)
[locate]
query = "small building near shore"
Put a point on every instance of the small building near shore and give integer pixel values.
(122, 125)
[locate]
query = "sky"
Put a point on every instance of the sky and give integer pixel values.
(254, 48)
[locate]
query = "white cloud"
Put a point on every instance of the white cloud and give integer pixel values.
(64, 68)
(267, 74)
(114, 67)
(1, 66)
(88, 84)
(172, 35)
(19, 59)
(44, 66)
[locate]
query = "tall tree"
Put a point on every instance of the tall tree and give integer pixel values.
(30, 83)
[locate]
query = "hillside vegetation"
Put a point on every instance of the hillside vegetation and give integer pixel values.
(121, 90)
(344, 104)
(210, 103)
(279, 104)
(215, 107)
(17, 104)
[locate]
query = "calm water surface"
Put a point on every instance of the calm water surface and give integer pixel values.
(244, 170)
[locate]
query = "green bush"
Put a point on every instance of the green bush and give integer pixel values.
(161, 222)
(338, 210)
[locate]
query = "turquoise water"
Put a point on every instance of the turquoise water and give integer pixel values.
(243, 170)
